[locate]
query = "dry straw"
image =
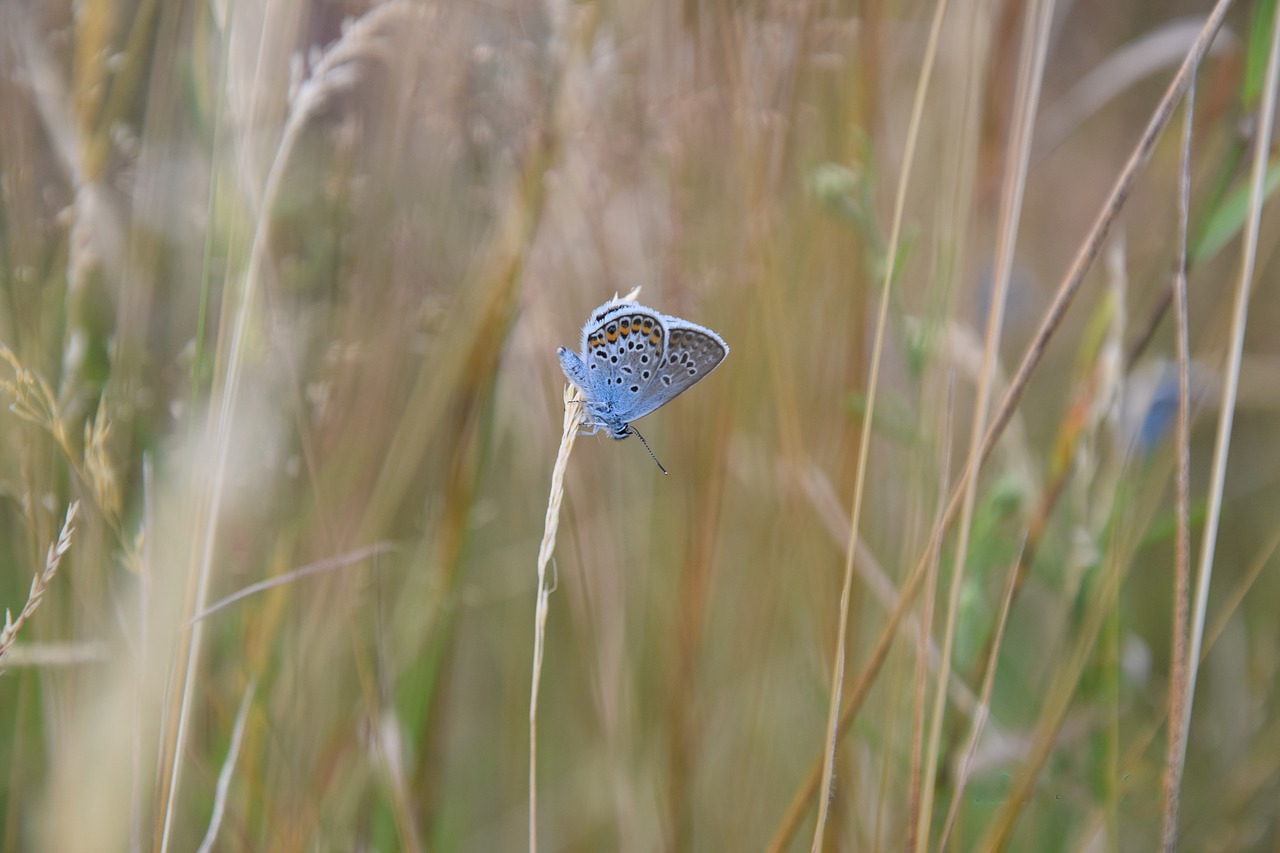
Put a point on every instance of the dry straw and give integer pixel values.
(572, 423)
(1049, 324)
(572, 420)
(832, 730)
(1226, 414)
(334, 71)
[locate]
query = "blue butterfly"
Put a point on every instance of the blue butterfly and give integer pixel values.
(635, 360)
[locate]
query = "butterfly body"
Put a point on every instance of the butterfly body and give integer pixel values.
(634, 360)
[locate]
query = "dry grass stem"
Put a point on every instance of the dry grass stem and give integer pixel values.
(1049, 324)
(53, 655)
(831, 732)
(1092, 244)
(1134, 758)
(319, 567)
(822, 497)
(228, 768)
(1231, 371)
(547, 547)
(335, 71)
(925, 641)
(1035, 47)
(981, 715)
(1175, 753)
(1053, 711)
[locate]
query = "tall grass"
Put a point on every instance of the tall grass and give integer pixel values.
(282, 288)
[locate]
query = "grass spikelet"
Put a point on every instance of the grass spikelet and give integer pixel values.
(39, 583)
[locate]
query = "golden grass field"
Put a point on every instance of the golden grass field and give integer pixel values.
(283, 285)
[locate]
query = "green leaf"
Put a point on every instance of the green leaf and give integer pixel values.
(1255, 65)
(1227, 220)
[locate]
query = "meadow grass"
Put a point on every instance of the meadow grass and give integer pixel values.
(969, 543)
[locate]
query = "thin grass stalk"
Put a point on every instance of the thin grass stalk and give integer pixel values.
(330, 75)
(1107, 663)
(923, 646)
(228, 768)
(1175, 748)
(1049, 324)
(319, 567)
(1030, 75)
(57, 655)
(223, 416)
(1138, 744)
(206, 260)
(1103, 480)
(983, 712)
(142, 660)
(883, 590)
(886, 804)
(859, 486)
(1127, 538)
(1226, 413)
(914, 786)
(572, 420)
(1060, 696)
(1236, 598)
(1101, 227)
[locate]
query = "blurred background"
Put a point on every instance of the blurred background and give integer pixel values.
(282, 287)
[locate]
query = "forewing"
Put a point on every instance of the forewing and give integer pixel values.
(621, 353)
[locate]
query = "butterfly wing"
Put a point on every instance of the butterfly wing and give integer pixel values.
(691, 353)
(621, 347)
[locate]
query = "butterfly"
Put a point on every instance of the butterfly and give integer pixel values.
(635, 360)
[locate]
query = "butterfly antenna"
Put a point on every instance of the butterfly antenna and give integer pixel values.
(637, 434)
